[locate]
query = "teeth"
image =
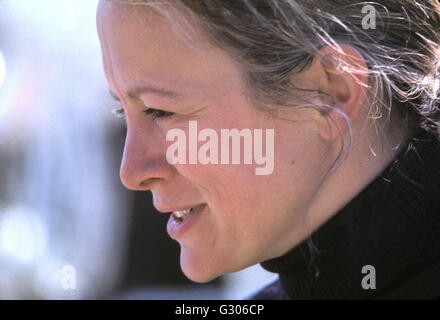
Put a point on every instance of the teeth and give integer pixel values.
(182, 214)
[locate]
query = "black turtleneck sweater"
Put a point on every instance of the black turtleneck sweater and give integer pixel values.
(393, 225)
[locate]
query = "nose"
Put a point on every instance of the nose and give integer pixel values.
(144, 161)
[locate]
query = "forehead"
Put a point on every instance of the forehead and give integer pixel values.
(134, 37)
(137, 43)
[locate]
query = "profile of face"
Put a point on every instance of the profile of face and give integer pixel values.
(244, 218)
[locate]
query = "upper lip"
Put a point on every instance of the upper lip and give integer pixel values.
(165, 209)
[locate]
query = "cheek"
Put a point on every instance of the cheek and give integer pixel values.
(220, 182)
(297, 159)
(300, 150)
(233, 194)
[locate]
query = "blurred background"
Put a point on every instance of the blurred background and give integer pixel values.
(68, 228)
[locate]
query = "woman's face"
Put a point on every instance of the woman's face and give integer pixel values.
(246, 218)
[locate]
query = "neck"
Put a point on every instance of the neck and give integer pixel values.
(367, 159)
(391, 224)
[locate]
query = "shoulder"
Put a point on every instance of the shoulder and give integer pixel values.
(271, 291)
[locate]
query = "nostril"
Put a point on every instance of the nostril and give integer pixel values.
(148, 183)
(143, 164)
(143, 175)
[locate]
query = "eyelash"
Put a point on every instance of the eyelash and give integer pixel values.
(155, 113)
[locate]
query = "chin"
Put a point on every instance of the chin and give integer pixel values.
(199, 277)
(198, 269)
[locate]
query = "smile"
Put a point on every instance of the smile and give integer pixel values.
(182, 220)
(182, 214)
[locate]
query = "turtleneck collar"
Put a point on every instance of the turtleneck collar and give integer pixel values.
(393, 225)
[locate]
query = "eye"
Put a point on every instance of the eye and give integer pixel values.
(155, 113)
(158, 114)
(119, 112)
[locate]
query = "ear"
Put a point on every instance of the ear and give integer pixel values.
(344, 80)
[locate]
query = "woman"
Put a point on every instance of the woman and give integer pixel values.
(350, 92)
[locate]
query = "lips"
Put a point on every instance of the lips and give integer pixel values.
(183, 221)
(181, 215)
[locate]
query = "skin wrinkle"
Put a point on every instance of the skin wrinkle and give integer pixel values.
(250, 218)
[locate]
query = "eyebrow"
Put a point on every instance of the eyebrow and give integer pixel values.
(137, 91)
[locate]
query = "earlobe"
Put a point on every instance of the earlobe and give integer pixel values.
(334, 123)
